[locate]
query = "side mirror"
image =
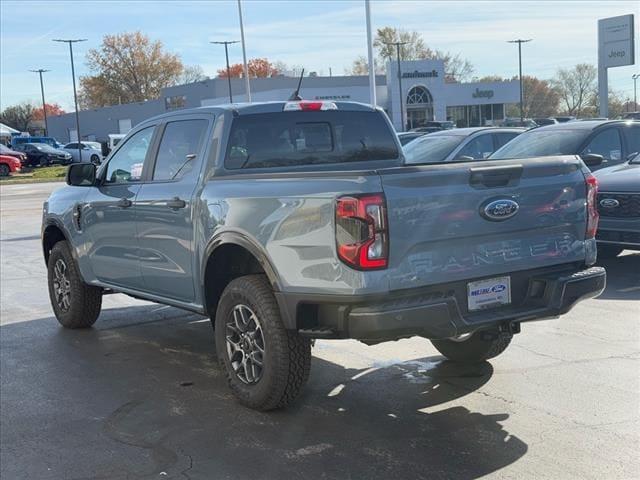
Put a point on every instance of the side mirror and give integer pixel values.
(592, 159)
(81, 175)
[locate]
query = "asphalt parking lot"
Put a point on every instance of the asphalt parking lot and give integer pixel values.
(141, 396)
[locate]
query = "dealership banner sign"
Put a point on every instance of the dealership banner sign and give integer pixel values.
(615, 39)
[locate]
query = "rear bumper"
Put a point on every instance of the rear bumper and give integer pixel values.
(439, 311)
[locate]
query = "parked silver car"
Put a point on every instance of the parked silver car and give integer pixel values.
(458, 144)
(91, 151)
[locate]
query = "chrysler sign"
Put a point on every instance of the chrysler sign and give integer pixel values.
(615, 38)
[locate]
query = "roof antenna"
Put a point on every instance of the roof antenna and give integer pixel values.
(295, 96)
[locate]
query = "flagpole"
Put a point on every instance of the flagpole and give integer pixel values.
(244, 55)
(372, 68)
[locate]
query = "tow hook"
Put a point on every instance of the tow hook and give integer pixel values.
(507, 328)
(510, 327)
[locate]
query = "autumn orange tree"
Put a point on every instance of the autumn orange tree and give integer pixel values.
(53, 110)
(128, 67)
(258, 67)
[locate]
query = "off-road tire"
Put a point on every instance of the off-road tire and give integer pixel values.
(480, 346)
(85, 301)
(287, 355)
(4, 170)
(609, 251)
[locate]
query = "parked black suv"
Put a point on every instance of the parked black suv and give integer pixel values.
(43, 154)
(600, 143)
(619, 208)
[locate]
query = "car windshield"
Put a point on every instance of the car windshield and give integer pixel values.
(43, 147)
(431, 148)
(542, 143)
(4, 149)
(94, 145)
(635, 160)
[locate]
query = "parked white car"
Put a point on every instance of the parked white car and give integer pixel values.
(91, 151)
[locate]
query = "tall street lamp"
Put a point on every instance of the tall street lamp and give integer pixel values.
(520, 42)
(40, 71)
(75, 94)
(226, 53)
(635, 92)
(398, 45)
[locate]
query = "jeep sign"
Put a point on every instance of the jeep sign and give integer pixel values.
(615, 39)
(615, 49)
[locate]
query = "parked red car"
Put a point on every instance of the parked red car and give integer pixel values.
(4, 150)
(9, 165)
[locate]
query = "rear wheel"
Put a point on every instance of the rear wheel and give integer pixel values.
(75, 304)
(609, 251)
(4, 170)
(266, 365)
(95, 159)
(475, 347)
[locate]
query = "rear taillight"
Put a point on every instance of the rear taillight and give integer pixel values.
(362, 235)
(592, 210)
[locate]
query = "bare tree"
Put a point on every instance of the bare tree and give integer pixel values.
(456, 67)
(18, 116)
(191, 74)
(576, 87)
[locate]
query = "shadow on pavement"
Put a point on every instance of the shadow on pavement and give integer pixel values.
(623, 277)
(138, 399)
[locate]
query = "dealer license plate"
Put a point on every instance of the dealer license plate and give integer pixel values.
(489, 293)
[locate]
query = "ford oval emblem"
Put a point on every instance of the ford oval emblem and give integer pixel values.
(609, 203)
(499, 210)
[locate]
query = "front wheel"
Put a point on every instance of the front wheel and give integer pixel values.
(4, 170)
(75, 304)
(475, 347)
(265, 364)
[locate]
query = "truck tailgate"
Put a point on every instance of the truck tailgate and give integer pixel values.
(458, 221)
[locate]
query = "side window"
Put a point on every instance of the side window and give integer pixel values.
(606, 143)
(479, 148)
(503, 138)
(126, 164)
(179, 148)
(632, 136)
(72, 145)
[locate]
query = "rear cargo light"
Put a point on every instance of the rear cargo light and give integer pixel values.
(362, 235)
(592, 209)
(309, 106)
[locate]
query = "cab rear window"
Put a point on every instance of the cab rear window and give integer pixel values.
(308, 138)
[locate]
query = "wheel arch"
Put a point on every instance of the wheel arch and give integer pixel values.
(230, 255)
(52, 234)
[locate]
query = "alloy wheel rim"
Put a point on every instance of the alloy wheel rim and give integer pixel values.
(62, 285)
(245, 344)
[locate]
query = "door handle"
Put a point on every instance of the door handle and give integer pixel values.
(124, 203)
(176, 203)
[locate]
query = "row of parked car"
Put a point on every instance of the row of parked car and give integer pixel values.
(610, 148)
(44, 151)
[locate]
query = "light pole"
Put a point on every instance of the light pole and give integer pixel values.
(40, 71)
(635, 77)
(247, 84)
(520, 42)
(398, 45)
(75, 94)
(226, 53)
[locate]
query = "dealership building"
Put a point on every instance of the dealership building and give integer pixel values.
(422, 89)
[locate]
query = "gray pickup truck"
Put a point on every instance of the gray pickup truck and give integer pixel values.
(290, 221)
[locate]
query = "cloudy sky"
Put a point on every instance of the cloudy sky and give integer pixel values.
(315, 34)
